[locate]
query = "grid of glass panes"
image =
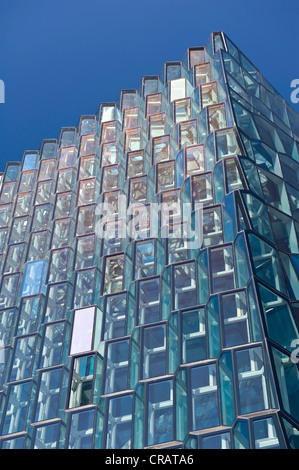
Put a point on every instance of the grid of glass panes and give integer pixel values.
(105, 339)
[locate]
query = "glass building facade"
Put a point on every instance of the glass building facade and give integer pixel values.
(122, 342)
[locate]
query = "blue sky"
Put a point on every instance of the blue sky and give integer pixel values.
(60, 59)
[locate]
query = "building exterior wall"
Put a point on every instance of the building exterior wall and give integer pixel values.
(149, 289)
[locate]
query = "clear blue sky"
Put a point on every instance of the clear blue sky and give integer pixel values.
(60, 59)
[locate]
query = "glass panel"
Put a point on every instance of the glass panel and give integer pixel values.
(48, 149)
(222, 269)
(182, 110)
(109, 131)
(65, 180)
(138, 190)
(202, 190)
(47, 169)
(150, 85)
(81, 429)
(61, 233)
(149, 301)
(212, 227)
(85, 252)
(274, 191)
(23, 204)
(14, 443)
(7, 192)
(235, 319)
(86, 219)
(60, 261)
(154, 351)
(41, 217)
(258, 216)
(278, 317)
(14, 258)
(128, 99)
(145, 259)
(107, 113)
(202, 74)
(265, 434)
(87, 126)
(177, 89)
(227, 144)
(6, 319)
(51, 351)
(87, 146)
(131, 118)
(161, 149)
(157, 126)
(27, 181)
(216, 441)
(115, 316)
(241, 435)
(188, 133)
(67, 137)
(48, 395)
(283, 231)
(266, 263)
(185, 292)
(209, 94)
(114, 274)
(46, 437)
(21, 365)
(16, 408)
(34, 278)
(29, 162)
(292, 434)
(253, 395)
(217, 117)
(63, 205)
(165, 176)
(67, 157)
(56, 302)
(135, 166)
(193, 336)
(196, 56)
(153, 104)
(18, 230)
(82, 335)
(82, 381)
(119, 423)
(9, 290)
(29, 312)
(87, 167)
(133, 140)
(160, 412)
(44, 192)
(287, 376)
(226, 387)
(109, 179)
(109, 154)
(204, 397)
(195, 160)
(233, 179)
(86, 191)
(117, 364)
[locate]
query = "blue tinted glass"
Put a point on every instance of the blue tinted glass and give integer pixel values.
(46, 437)
(29, 162)
(81, 430)
(204, 397)
(160, 412)
(34, 278)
